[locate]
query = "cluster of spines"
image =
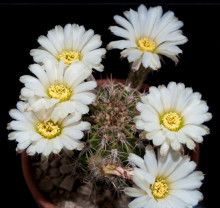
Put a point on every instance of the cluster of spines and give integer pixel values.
(113, 134)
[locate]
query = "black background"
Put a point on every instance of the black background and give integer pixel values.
(21, 24)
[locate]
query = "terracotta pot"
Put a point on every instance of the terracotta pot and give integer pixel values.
(28, 176)
(27, 170)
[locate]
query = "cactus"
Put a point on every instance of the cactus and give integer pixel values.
(113, 134)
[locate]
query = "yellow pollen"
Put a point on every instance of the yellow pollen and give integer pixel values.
(159, 189)
(59, 92)
(69, 57)
(172, 121)
(48, 129)
(146, 44)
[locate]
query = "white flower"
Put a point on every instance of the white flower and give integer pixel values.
(164, 182)
(147, 35)
(58, 87)
(70, 43)
(38, 133)
(173, 115)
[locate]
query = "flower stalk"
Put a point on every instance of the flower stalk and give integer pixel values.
(136, 78)
(112, 169)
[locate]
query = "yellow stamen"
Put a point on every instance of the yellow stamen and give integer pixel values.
(172, 121)
(60, 92)
(48, 129)
(146, 44)
(69, 57)
(159, 189)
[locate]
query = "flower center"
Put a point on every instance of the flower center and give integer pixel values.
(69, 57)
(159, 189)
(59, 92)
(172, 121)
(48, 129)
(146, 44)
